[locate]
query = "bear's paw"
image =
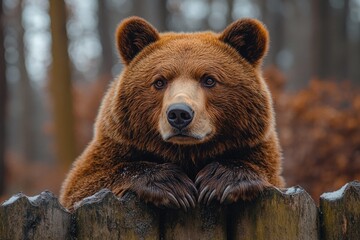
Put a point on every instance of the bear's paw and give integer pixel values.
(228, 183)
(164, 185)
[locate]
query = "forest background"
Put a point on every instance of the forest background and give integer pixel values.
(58, 57)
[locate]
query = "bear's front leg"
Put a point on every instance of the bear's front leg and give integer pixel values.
(161, 184)
(229, 182)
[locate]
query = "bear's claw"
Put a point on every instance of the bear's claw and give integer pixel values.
(228, 184)
(164, 185)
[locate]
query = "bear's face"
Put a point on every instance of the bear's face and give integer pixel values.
(191, 89)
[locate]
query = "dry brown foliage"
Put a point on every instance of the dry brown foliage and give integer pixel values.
(319, 130)
(30, 177)
(36, 176)
(87, 99)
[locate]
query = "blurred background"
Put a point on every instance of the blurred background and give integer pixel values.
(57, 58)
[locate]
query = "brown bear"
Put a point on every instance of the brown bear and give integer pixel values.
(190, 119)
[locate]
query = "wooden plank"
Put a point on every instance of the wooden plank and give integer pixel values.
(340, 213)
(288, 214)
(203, 222)
(38, 217)
(103, 216)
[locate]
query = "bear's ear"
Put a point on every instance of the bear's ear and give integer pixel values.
(133, 35)
(249, 37)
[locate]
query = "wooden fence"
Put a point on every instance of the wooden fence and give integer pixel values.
(276, 214)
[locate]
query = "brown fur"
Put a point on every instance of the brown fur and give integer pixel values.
(232, 152)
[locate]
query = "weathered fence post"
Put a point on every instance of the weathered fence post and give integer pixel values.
(38, 217)
(340, 213)
(103, 216)
(290, 214)
(275, 214)
(203, 222)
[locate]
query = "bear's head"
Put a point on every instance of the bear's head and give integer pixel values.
(189, 93)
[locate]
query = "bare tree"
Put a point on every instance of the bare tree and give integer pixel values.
(274, 18)
(154, 11)
(27, 137)
(321, 54)
(339, 42)
(230, 5)
(162, 15)
(2, 102)
(60, 85)
(105, 40)
(263, 9)
(353, 50)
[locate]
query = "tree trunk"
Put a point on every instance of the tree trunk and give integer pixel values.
(106, 42)
(337, 38)
(2, 102)
(321, 50)
(276, 21)
(342, 45)
(297, 41)
(154, 11)
(162, 15)
(230, 5)
(262, 4)
(60, 86)
(353, 56)
(26, 95)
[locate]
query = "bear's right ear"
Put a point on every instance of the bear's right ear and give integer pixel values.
(133, 35)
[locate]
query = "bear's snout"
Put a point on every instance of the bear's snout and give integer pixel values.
(179, 115)
(184, 118)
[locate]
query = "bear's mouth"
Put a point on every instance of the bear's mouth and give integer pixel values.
(185, 138)
(181, 136)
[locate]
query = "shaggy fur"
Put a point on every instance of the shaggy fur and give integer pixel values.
(230, 151)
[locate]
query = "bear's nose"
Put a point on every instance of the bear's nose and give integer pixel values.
(179, 115)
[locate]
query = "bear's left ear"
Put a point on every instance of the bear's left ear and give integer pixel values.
(133, 35)
(249, 37)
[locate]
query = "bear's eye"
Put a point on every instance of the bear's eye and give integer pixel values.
(208, 82)
(159, 83)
